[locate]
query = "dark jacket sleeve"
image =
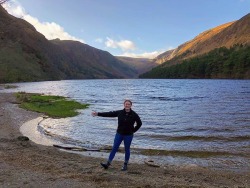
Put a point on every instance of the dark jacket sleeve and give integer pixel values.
(109, 114)
(138, 122)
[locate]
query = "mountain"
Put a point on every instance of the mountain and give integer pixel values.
(164, 56)
(229, 35)
(26, 55)
(142, 65)
(226, 35)
(89, 62)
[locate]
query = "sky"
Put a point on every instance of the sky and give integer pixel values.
(133, 28)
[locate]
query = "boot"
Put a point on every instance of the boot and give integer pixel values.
(125, 167)
(106, 165)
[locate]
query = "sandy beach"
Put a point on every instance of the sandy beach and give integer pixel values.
(26, 164)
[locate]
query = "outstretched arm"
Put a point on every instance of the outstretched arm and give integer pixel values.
(106, 114)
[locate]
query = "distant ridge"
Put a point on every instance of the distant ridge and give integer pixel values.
(142, 65)
(26, 55)
(225, 35)
(202, 47)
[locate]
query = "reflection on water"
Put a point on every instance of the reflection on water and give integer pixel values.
(179, 117)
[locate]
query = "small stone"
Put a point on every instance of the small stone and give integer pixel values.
(23, 138)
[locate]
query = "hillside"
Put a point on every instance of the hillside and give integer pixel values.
(225, 35)
(142, 65)
(233, 63)
(89, 62)
(26, 55)
(233, 36)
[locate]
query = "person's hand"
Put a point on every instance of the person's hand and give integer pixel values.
(94, 113)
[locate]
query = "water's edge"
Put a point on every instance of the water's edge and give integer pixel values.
(30, 130)
(184, 121)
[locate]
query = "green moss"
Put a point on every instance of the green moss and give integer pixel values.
(53, 106)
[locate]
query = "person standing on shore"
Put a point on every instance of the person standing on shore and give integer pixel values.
(125, 131)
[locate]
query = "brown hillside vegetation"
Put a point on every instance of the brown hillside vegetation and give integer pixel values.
(26, 55)
(225, 35)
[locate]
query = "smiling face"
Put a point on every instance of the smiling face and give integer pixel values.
(127, 105)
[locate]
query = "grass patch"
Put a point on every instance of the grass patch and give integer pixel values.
(53, 106)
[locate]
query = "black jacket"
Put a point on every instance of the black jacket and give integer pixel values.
(126, 121)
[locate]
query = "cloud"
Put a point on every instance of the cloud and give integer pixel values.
(50, 30)
(149, 55)
(125, 45)
(99, 40)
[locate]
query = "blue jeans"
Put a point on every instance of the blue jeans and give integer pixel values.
(127, 139)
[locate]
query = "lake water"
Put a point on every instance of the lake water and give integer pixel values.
(203, 122)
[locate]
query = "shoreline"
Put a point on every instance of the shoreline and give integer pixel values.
(29, 129)
(27, 164)
(34, 130)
